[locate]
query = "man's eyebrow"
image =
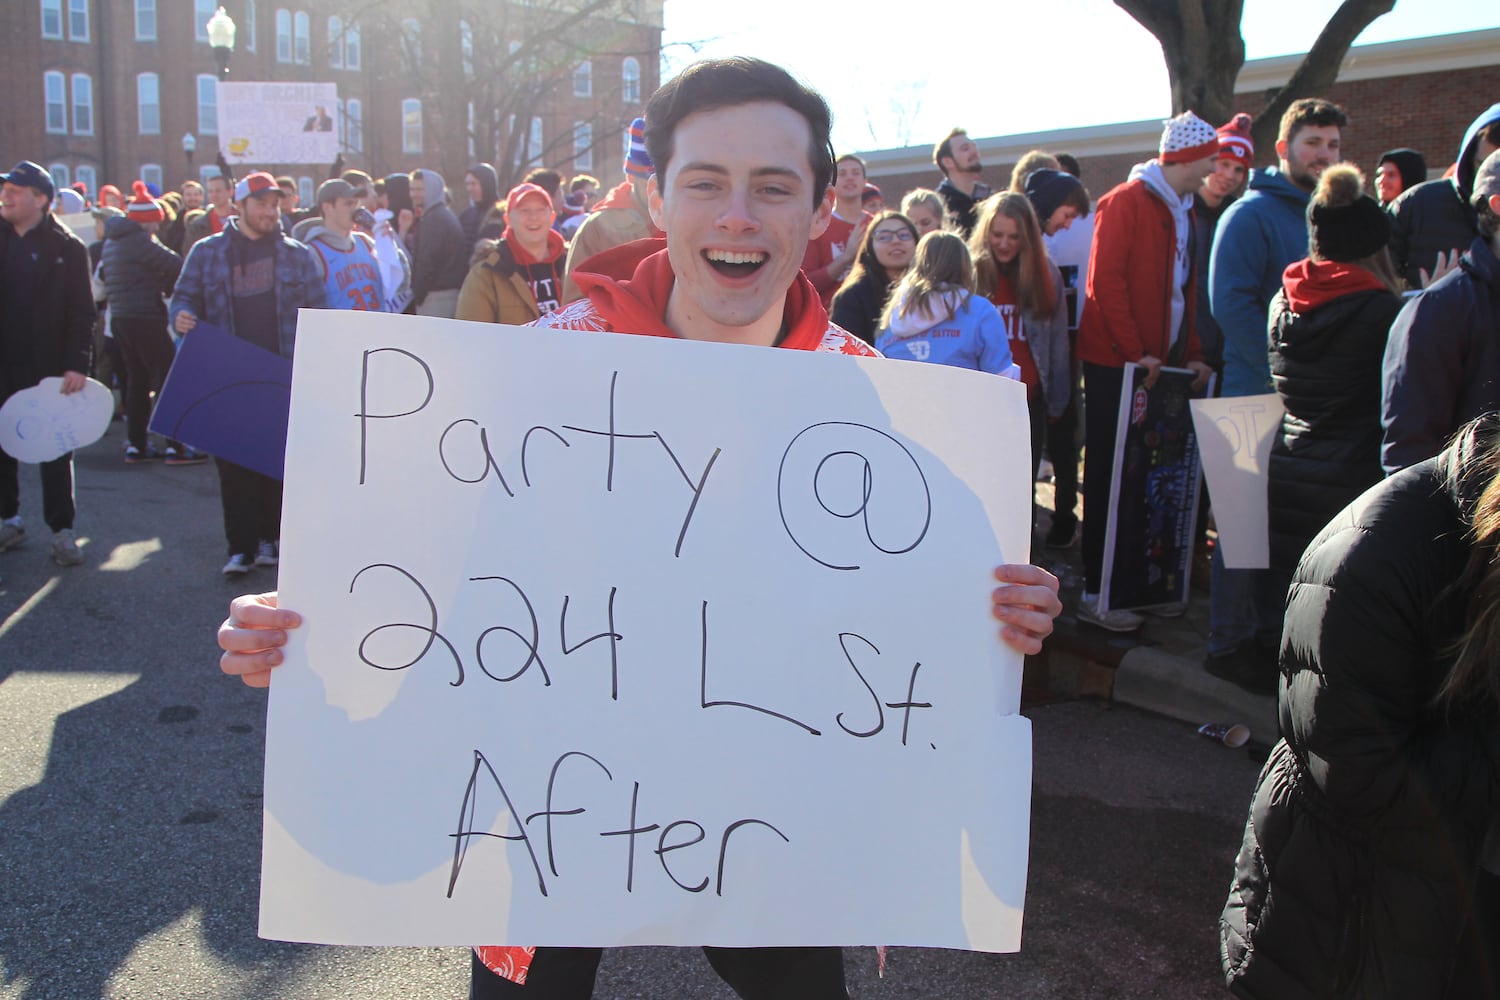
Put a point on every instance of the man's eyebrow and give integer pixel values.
(716, 168)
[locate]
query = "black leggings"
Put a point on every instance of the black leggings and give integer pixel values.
(753, 974)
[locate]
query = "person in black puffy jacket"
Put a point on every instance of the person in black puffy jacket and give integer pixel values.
(1370, 857)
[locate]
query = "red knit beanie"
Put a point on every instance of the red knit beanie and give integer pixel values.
(1235, 142)
(1187, 138)
(142, 208)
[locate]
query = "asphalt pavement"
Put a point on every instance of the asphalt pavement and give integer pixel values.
(130, 791)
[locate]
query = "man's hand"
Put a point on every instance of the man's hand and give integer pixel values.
(1152, 364)
(73, 382)
(252, 635)
(1445, 263)
(1203, 370)
(841, 264)
(184, 322)
(1027, 604)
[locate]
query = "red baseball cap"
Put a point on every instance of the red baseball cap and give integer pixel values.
(256, 183)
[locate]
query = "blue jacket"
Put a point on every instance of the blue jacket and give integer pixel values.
(1442, 361)
(1257, 238)
(972, 337)
(203, 288)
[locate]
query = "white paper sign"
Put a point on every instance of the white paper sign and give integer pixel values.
(273, 123)
(1234, 437)
(41, 423)
(622, 640)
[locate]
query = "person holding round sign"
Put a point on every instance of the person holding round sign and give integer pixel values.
(46, 329)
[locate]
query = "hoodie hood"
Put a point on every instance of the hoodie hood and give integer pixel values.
(434, 190)
(1463, 177)
(489, 184)
(937, 309)
(398, 193)
(1313, 283)
(1271, 181)
(313, 229)
(1149, 174)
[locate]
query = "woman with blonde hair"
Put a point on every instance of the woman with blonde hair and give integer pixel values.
(884, 255)
(933, 314)
(1013, 271)
(925, 208)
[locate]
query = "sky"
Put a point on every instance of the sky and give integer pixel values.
(899, 79)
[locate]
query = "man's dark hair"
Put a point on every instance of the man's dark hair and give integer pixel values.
(1069, 163)
(379, 187)
(850, 156)
(286, 183)
(549, 181)
(1313, 111)
(220, 178)
(580, 182)
(729, 83)
(358, 179)
(944, 149)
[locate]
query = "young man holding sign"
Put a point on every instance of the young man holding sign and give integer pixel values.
(743, 168)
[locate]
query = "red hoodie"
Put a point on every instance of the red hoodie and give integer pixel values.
(1313, 283)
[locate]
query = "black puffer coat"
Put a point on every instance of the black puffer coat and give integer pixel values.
(1364, 835)
(1325, 364)
(137, 270)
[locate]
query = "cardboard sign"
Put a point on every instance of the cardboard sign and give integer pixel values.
(228, 397)
(1234, 438)
(266, 123)
(624, 640)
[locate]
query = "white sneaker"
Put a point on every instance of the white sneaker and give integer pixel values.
(1116, 620)
(268, 553)
(238, 565)
(65, 548)
(11, 535)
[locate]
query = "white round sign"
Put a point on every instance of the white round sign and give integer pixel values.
(40, 423)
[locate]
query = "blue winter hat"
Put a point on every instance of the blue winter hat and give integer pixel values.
(637, 160)
(28, 174)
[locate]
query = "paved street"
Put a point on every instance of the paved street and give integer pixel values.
(130, 787)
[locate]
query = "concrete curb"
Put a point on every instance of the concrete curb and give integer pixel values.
(1180, 688)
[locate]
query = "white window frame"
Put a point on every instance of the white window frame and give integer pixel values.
(302, 38)
(306, 194)
(151, 174)
(583, 79)
(61, 176)
(466, 47)
(250, 25)
(411, 44)
(89, 178)
(148, 125)
(55, 99)
(583, 147)
(410, 106)
(207, 125)
(86, 105)
(354, 125)
(202, 11)
(630, 80)
(353, 51)
(78, 9)
(335, 42)
(145, 9)
(55, 9)
(283, 35)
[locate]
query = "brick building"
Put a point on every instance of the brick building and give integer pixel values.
(1422, 93)
(106, 91)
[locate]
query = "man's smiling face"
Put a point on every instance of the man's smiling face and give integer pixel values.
(738, 207)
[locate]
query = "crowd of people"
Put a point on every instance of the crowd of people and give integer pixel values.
(1372, 316)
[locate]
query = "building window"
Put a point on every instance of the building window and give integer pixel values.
(630, 76)
(335, 42)
(302, 38)
(202, 11)
(583, 147)
(351, 47)
(284, 36)
(208, 104)
(85, 175)
(145, 20)
(411, 125)
(60, 176)
(56, 89)
(583, 79)
(151, 174)
(466, 47)
(51, 18)
(148, 103)
(204, 173)
(411, 44)
(249, 27)
(529, 149)
(305, 191)
(83, 104)
(78, 20)
(354, 125)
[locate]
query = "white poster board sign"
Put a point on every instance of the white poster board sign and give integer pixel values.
(273, 123)
(41, 423)
(1234, 437)
(622, 640)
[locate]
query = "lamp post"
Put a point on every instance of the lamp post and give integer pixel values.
(189, 147)
(221, 38)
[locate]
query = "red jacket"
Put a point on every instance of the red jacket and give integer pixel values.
(1128, 293)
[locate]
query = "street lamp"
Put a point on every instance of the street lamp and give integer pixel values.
(190, 146)
(221, 39)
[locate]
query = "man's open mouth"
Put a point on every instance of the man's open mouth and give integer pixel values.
(734, 264)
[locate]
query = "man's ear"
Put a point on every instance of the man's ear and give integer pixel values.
(824, 214)
(654, 202)
(1281, 148)
(1495, 203)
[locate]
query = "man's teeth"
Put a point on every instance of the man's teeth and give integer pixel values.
(730, 257)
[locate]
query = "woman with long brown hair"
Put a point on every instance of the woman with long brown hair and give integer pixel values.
(1371, 857)
(1013, 271)
(884, 255)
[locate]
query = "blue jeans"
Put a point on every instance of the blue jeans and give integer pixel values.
(1244, 606)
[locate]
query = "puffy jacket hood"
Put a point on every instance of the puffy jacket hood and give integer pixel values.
(434, 190)
(489, 184)
(1463, 177)
(117, 227)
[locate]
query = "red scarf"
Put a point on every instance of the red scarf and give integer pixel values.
(1313, 283)
(638, 304)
